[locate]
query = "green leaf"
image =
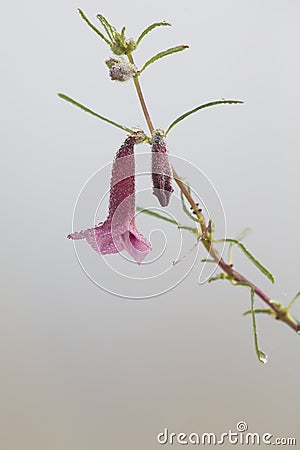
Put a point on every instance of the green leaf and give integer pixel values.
(220, 276)
(259, 311)
(206, 105)
(240, 237)
(184, 207)
(93, 26)
(84, 108)
(161, 55)
(110, 30)
(167, 219)
(249, 255)
(194, 230)
(150, 28)
(262, 357)
(155, 214)
(293, 301)
(243, 234)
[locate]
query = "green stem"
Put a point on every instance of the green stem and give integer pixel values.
(141, 98)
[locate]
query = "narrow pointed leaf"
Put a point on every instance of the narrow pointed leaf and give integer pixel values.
(259, 311)
(161, 55)
(110, 30)
(194, 230)
(167, 219)
(243, 234)
(84, 108)
(260, 354)
(205, 105)
(150, 28)
(293, 301)
(185, 208)
(240, 237)
(155, 214)
(220, 276)
(249, 255)
(93, 26)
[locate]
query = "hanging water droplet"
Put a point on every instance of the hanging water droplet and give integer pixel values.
(263, 357)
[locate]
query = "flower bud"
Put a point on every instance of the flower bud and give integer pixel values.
(161, 169)
(120, 69)
(122, 46)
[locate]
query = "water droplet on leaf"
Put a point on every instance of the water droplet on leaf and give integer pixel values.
(263, 357)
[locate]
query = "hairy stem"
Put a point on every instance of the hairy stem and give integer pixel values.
(141, 98)
(280, 313)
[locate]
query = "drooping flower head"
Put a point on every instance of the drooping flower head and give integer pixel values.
(161, 169)
(119, 232)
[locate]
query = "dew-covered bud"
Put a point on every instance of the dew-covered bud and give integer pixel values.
(120, 69)
(161, 169)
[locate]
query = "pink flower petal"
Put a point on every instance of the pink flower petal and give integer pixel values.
(119, 232)
(136, 244)
(99, 238)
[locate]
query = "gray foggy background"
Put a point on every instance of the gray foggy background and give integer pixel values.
(80, 368)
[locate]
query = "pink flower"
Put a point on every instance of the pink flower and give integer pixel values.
(119, 232)
(161, 169)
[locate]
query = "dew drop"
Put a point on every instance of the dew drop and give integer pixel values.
(263, 357)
